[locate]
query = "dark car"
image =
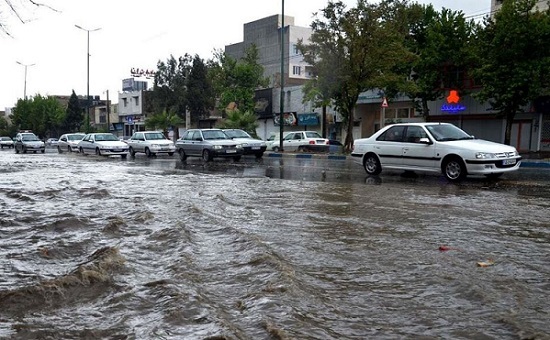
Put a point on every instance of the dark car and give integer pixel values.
(208, 144)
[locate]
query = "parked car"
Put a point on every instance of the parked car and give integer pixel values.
(6, 142)
(303, 141)
(335, 146)
(52, 141)
(150, 143)
(274, 140)
(208, 144)
(69, 142)
(251, 146)
(102, 144)
(434, 147)
(28, 141)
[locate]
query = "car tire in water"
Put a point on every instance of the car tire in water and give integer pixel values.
(182, 154)
(372, 165)
(69, 149)
(132, 152)
(454, 169)
(206, 155)
(59, 149)
(97, 152)
(148, 153)
(275, 149)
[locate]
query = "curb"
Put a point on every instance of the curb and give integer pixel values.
(531, 163)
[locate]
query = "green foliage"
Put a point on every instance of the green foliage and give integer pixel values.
(513, 53)
(200, 94)
(235, 82)
(74, 115)
(442, 42)
(43, 115)
(163, 121)
(236, 119)
(169, 90)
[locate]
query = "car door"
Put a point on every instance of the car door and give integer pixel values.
(138, 140)
(389, 146)
(292, 141)
(417, 153)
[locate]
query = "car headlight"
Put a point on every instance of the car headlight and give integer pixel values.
(216, 147)
(239, 146)
(244, 144)
(484, 155)
(155, 145)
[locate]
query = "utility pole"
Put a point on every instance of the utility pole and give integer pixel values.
(108, 113)
(88, 77)
(25, 85)
(282, 103)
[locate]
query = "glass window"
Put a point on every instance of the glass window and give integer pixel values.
(393, 134)
(414, 133)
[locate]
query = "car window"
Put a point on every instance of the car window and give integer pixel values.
(393, 134)
(74, 137)
(188, 135)
(414, 133)
(237, 134)
(154, 136)
(313, 134)
(213, 134)
(447, 132)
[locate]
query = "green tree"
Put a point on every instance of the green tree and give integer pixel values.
(163, 121)
(43, 115)
(73, 116)
(199, 90)
(170, 89)
(442, 42)
(236, 119)
(513, 53)
(364, 49)
(235, 82)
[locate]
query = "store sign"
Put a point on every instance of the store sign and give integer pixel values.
(453, 103)
(139, 72)
(289, 119)
(305, 119)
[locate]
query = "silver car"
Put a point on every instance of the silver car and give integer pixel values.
(208, 144)
(69, 142)
(150, 143)
(6, 142)
(102, 144)
(251, 146)
(28, 141)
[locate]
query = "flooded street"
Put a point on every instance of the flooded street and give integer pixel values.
(142, 248)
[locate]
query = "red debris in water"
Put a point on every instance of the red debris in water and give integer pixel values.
(444, 248)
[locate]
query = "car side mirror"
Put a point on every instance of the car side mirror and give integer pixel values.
(425, 141)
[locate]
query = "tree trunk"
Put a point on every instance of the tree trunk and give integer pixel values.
(425, 109)
(508, 131)
(324, 121)
(348, 144)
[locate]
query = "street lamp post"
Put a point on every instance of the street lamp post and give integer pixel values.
(25, 86)
(88, 76)
(281, 101)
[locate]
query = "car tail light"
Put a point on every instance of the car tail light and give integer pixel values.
(311, 142)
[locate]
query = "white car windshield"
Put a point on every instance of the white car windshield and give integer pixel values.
(237, 134)
(447, 132)
(75, 137)
(154, 136)
(30, 138)
(106, 137)
(214, 134)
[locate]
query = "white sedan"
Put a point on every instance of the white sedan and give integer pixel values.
(102, 144)
(434, 147)
(150, 143)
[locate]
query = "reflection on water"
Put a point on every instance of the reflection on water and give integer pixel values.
(107, 248)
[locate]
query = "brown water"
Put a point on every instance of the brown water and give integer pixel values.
(104, 248)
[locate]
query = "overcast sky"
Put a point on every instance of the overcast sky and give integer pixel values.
(132, 34)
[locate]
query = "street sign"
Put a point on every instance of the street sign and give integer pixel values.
(385, 102)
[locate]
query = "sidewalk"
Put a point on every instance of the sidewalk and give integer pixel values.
(526, 162)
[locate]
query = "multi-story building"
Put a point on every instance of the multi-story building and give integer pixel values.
(540, 5)
(131, 107)
(265, 34)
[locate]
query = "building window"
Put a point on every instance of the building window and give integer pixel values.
(296, 50)
(136, 99)
(296, 70)
(125, 102)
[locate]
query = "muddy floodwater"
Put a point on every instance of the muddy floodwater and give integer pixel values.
(103, 248)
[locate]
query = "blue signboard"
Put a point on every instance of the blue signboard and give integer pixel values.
(308, 119)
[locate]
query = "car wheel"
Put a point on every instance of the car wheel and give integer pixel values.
(16, 150)
(237, 158)
(148, 152)
(494, 176)
(275, 149)
(97, 152)
(301, 148)
(454, 169)
(182, 154)
(206, 155)
(372, 164)
(24, 149)
(59, 149)
(259, 155)
(132, 152)
(41, 151)
(69, 149)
